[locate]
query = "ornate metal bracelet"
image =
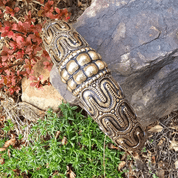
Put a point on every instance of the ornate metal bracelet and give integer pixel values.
(89, 79)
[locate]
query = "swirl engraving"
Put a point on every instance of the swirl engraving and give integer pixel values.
(89, 79)
(60, 38)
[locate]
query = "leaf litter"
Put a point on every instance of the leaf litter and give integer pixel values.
(159, 158)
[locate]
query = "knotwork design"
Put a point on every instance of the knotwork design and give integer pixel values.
(89, 79)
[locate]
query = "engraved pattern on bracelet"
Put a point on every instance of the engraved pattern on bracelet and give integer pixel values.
(60, 39)
(89, 78)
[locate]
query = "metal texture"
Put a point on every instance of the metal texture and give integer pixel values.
(89, 79)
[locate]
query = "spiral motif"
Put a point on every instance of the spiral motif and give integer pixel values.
(89, 79)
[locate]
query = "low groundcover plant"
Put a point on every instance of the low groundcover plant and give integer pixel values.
(65, 146)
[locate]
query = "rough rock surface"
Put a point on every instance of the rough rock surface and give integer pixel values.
(139, 42)
(61, 87)
(42, 98)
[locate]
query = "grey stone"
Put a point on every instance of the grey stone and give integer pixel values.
(61, 87)
(139, 42)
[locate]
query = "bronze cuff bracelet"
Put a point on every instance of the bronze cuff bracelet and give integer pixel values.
(90, 80)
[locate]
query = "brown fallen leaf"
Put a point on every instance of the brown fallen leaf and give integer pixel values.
(124, 156)
(12, 142)
(160, 173)
(121, 165)
(64, 141)
(161, 141)
(2, 119)
(70, 172)
(174, 127)
(138, 161)
(111, 146)
(2, 149)
(9, 153)
(79, 3)
(131, 171)
(56, 173)
(57, 134)
(173, 145)
(153, 160)
(136, 155)
(40, 13)
(163, 164)
(176, 164)
(156, 128)
(2, 161)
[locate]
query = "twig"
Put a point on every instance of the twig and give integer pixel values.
(38, 3)
(19, 63)
(15, 19)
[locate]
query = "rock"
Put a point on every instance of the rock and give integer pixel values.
(55, 80)
(139, 42)
(39, 69)
(44, 98)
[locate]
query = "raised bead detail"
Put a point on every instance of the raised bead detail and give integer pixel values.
(83, 59)
(79, 77)
(72, 66)
(71, 84)
(91, 70)
(93, 55)
(64, 74)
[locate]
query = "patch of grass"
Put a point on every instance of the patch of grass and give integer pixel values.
(8, 126)
(48, 156)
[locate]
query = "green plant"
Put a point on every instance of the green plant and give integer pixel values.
(151, 141)
(144, 150)
(8, 126)
(49, 154)
(21, 26)
(129, 157)
(155, 176)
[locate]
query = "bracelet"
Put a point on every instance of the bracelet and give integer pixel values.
(88, 78)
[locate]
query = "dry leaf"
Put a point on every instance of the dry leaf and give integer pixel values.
(121, 165)
(70, 172)
(174, 127)
(161, 141)
(57, 134)
(12, 142)
(40, 13)
(124, 156)
(131, 171)
(136, 155)
(173, 145)
(138, 161)
(160, 173)
(9, 154)
(64, 141)
(79, 3)
(2, 161)
(2, 149)
(153, 160)
(176, 164)
(111, 146)
(56, 173)
(156, 128)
